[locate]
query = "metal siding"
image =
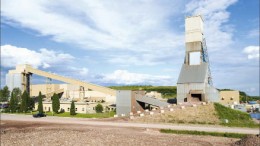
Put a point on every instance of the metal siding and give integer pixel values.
(14, 80)
(9, 81)
(184, 89)
(123, 102)
(212, 94)
(152, 101)
(193, 73)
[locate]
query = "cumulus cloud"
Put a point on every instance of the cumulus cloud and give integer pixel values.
(12, 55)
(252, 52)
(94, 24)
(136, 26)
(125, 77)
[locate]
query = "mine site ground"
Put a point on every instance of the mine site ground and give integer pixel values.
(26, 130)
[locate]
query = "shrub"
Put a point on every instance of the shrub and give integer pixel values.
(99, 108)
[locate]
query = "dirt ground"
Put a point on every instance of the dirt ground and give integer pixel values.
(19, 133)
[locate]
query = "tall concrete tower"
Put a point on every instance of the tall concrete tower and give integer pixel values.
(195, 82)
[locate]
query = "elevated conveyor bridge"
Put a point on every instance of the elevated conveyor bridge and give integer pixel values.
(27, 71)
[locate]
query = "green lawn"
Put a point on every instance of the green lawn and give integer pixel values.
(219, 134)
(235, 118)
(79, 115)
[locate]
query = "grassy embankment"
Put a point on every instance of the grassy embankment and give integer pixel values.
(219, 134)
(166, 91)
(235, 118)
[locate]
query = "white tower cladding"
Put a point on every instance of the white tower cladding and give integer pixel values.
(194, 83)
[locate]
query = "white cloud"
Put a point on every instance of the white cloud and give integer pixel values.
(12, 55)
(136, 26)
(95, 24)
(252, 52)
(127, 78)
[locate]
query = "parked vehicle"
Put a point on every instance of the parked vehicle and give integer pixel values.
(39, 115)
(4, 105)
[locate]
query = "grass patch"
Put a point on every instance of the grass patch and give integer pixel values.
(80, 115)
(218, 134)
(235, 118)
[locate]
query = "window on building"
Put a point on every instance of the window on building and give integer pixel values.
(93, 108)
(76, 109)
(45, 108)
(82, 109)
(68, 109)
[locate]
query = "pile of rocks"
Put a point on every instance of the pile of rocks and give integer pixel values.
(250, 140)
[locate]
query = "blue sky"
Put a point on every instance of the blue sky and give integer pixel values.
(137, 42)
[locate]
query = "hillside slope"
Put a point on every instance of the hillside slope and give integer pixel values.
(212, 113)
(205, 114)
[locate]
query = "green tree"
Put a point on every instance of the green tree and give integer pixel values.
(13, 103)
(5, 94)
(72, 108)
(40, 106)
(18, 94)
(55, 103)
(25, 102)
(99, 108)
(31, 103)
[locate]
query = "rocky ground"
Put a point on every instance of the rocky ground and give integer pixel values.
(203, 114)
(250, 140)
(19, 133)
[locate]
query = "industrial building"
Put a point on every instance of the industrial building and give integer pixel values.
(195, 81)
(229, 97)
(128, 101)
(86, 95)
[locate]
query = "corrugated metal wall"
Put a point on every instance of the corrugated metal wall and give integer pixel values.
(14, 81)
(212, 94)
(184, 89)
(123, 102)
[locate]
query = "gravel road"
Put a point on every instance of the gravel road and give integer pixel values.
(24, 133)
(118, 123)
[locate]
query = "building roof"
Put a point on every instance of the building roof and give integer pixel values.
(193, 73)
(152, 101)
